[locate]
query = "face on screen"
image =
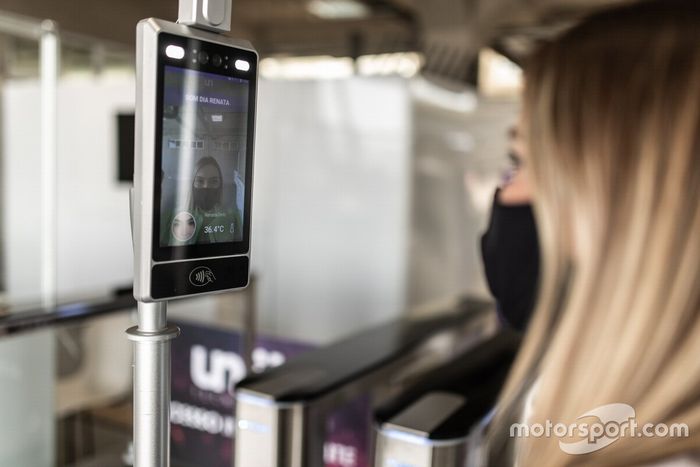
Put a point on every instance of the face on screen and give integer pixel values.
(203, 160)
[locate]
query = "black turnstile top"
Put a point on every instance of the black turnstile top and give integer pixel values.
(478, 376)
(315, 374)
(31, 319)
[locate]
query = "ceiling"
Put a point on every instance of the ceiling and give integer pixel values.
(448, 32)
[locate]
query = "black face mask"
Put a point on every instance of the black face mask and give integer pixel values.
(206, 198)
(511, 257)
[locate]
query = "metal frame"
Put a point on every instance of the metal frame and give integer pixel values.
(49, 54)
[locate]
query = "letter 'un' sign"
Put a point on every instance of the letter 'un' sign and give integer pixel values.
(195, 121)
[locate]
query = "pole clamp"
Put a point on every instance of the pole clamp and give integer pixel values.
(169, 333)
(212, 15)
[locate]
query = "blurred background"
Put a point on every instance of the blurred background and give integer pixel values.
(381, 136)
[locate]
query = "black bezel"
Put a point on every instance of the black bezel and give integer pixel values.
(215, 249)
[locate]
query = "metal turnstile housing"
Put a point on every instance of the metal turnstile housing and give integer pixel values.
(281, 414)
(429, 425)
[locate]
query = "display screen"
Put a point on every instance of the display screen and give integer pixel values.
(203, 157)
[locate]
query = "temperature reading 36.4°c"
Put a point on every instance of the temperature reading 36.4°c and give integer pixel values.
(213, 229)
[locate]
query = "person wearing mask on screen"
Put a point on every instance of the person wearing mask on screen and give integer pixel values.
(509, 247)
(217, 221)
(207, 217)
(611, 123)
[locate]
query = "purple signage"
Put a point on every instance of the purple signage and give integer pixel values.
(206, 365)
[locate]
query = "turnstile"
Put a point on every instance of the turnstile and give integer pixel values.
(282, 413)
(429, 425)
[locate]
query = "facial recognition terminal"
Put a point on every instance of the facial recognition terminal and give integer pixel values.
(190, 205)
(195, 122)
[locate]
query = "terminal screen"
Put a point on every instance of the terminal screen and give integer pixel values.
(203, 158)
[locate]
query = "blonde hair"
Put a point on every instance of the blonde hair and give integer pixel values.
(613, 128)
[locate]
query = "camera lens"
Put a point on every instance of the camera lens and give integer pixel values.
(203, 57)
(216, 60)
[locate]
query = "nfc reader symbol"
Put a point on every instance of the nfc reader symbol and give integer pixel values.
(201, 276)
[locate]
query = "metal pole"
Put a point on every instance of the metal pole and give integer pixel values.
(152, 339)
(49, 62)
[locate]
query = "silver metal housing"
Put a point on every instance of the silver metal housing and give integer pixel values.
(214, 15)
(291, 433)
(405, 439)
(147, 33)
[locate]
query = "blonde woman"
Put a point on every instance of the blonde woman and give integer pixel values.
(612, 128)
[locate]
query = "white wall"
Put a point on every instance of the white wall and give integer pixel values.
(21, 185)
(331, 201)
(94, 243)
(94, 237)
(459, 154)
